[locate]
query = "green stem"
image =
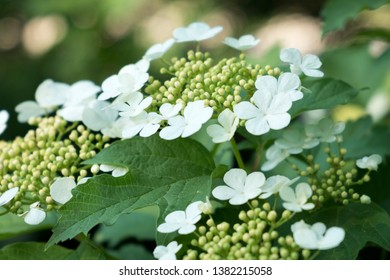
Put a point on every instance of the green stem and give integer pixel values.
(237, 154)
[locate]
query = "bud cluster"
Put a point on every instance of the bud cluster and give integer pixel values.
(54, 149)
(254, 237)
(336, 181)
(196, 78)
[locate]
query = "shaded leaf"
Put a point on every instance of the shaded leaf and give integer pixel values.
(336, 13)
(362, 223)
(33, 251)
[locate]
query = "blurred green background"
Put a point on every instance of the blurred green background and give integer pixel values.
(69, 41)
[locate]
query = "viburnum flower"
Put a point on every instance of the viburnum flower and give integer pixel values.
(274, 155)
(134, 105)
(297, 201)
(195, 114)
(274, 184)
(35, 216)
(239, 187)
(308, 65)
(48, 96)
(98, 115)
(225, 130)
(326, 130)
(183, 221)
(370, 162)
(158, 50)
(167, 252)
(288, 84)
(197, 31)
(243, 43)
(116, 171)
(268, 112)
(8, 195)
(4, 116)
(79, 95)
(316, 236)
(130, 79)
(61, 189)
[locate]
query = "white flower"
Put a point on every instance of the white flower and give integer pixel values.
(197, 31)
(80, 94)
(294, 141)
(61, 189)
(116, 171)
(98, 115)
(131, 78)
(195, 114)
(370, 162)
(288, 84)
(183, 221)
(48, 96)
(169, 110)
(35, 216)
(225, 131)
(269, 112)
(167, 252)
(297, 201)
(325, 130)
(274, 156)
(243, 43)
(134, 105)
(308, 65)
(240, 186)
(158, 50)
(4, 116)
(8, 195)
(206, 207)
(316, 237)
(274, 184)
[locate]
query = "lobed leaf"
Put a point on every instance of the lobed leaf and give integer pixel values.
(169, 174)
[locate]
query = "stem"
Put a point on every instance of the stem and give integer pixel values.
(314, 255)
(237, 154)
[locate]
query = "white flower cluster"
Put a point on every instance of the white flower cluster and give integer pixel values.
(119, 109)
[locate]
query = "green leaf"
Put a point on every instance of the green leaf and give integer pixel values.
(132, 252)
(33, 251)
(325, 94)
(36, 251)
(361, 138)
(124, 228)
(11, 225)
(170, 174)
(362, 223)
(336, 13)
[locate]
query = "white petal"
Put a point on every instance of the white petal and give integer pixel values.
(306, 239)
(266, 84)
(8, 195)
(187, 229)
(278, 121)
(28, 109)
(61, 189)
(35, 216)
(119, 171)
(291, 55)
(223, 192)
(254, 180)
(240, 199)
(287, 194)
(257, 126)
(235, 178)
(333, 237)
(246, 110)
(50, 93)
